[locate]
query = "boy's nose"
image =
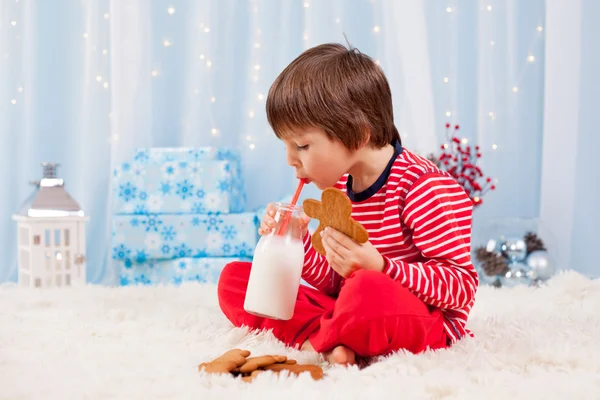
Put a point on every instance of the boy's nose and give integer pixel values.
(291, 160)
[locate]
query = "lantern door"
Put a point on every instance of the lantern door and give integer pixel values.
(61, 249)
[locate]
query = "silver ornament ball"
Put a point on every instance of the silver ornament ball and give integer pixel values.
(514, 249)
(540, 265)
(493, 246)
(517, 275)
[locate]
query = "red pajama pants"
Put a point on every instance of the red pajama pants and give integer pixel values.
(373, 315)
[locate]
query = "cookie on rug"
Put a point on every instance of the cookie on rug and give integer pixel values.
(237, 363)
(225, 363)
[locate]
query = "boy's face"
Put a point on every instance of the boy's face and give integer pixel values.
(317, 158)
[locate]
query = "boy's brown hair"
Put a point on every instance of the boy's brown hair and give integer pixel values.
(340, 90)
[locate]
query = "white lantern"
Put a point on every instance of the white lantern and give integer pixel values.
(51, 235)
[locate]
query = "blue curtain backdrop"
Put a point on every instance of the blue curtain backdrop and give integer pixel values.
(84, 82)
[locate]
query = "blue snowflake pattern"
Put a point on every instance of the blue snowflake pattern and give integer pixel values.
(128, 264)
(232, 155)
(227, 167)
(198, 208)
(127, 191)
(199, 154)
(226, 248)
(170, 170)
(229, 232)
(195, 221)
(143, 196)
(195, 278)
(182, 251)
(243, 250)
(152, 223)
(124, 280)
(182, 264)
(143, 279)
(141, 257)
(165, 188)
(212, 222)
(168, 233)
(140, 209)
(200, 194)
(134, 222)
(225, 154)
(185, 189)
(141, 156)
(177, 280)
(125, 167)
(165, 249)
(201, 253)
(224, 186)
(183, 164)
(121, 252)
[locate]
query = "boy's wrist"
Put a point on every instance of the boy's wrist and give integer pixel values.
(387, 266)
(382, 264)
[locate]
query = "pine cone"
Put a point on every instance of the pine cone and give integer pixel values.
(492, 263)
(481, 254)
(533, 242)
(496, 265)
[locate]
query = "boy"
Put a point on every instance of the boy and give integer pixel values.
(412, 285)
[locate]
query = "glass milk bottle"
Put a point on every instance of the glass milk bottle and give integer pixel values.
(277, 267)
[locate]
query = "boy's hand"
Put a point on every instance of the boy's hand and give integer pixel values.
(268, 223)
(346, 256)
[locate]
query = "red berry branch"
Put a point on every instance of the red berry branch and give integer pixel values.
(460, 161)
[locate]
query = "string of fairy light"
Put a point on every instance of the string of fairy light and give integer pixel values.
(85, 35)
(205, 59)
(256, 97)
(99, 78)
(515, 86)
(92, 40)
(15, 26)
(255, 66)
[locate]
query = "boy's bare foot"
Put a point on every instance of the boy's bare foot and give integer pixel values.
(339, 355)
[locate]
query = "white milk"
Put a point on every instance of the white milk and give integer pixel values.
(275, 277)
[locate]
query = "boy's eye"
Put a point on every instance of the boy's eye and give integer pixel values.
(300, 148)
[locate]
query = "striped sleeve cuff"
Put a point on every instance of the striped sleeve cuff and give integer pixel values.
(391, 269)
(307, 241)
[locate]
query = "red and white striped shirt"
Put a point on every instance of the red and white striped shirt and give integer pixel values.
(419, 218)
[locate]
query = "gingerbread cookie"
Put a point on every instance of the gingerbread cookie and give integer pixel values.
(334, 210)
(226, 363)
(315, 371)
(254, 363)
(237, 363)
(254, 374)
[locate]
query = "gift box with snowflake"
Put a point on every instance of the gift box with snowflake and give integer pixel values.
(179, 214)
(174, 272)
(179, 181)
(141, 238)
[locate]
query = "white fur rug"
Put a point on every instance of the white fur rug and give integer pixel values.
(146, 342)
